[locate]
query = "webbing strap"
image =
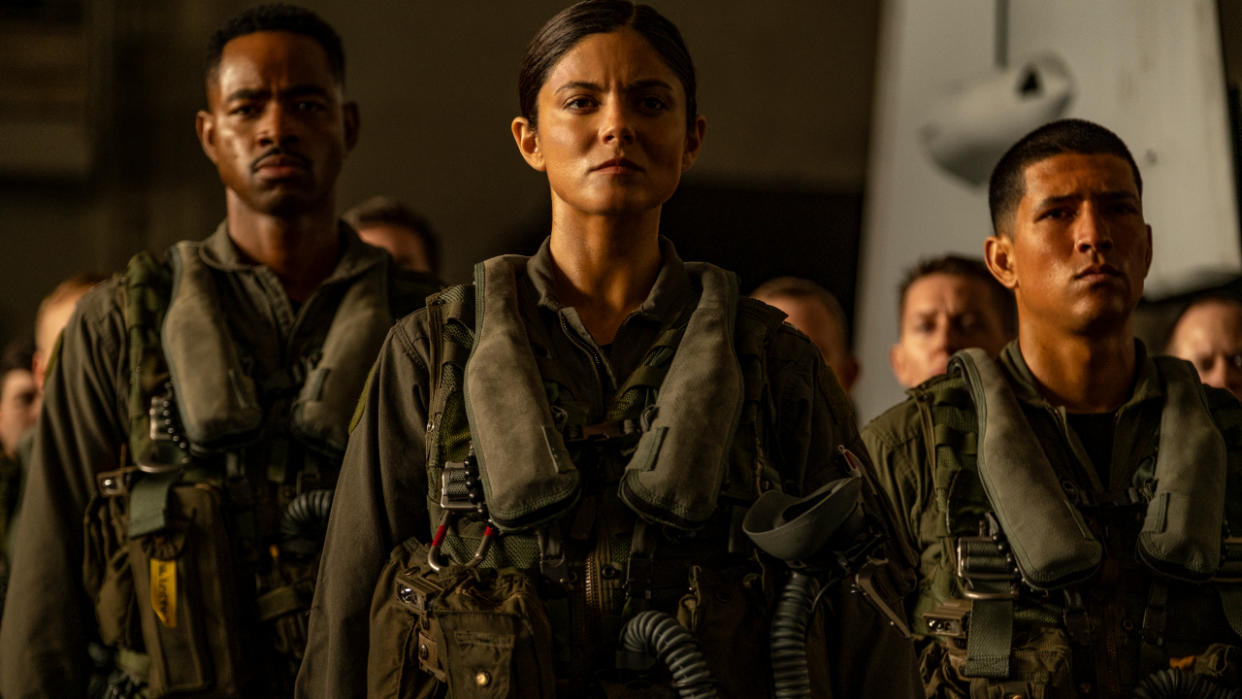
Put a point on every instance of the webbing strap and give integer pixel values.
(1231, 602)
(989, 639)
(148, 503)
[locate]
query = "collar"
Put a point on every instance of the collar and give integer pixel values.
(1146, 385)
(671, 292)
(220, 252)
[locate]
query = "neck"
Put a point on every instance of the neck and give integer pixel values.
(1085, 374)
(301, 249)
(605, 267)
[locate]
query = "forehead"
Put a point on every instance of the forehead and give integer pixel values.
(622, 56)
(15, 381)
(1076, 175)
(1211, 320)
(943, 291)
(270, 60)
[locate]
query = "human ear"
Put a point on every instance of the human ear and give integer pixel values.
(205, 125)
(527, 140)
(998, 254)
(694, 142)
(352, 124)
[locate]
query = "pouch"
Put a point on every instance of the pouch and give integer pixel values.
(482, 632)
(183, 582)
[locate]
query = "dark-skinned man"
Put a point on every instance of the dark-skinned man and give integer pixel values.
(1070, 502)
(199, 407)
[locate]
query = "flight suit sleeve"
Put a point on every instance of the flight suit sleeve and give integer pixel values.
(48, 618)
(894, 441)
(380, 501)
(867, 657)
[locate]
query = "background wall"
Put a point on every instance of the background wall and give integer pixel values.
(785, 86)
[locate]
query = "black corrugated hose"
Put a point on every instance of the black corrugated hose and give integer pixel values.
(304, 521)
(791, 678)
(1176, 684)
(656, 633)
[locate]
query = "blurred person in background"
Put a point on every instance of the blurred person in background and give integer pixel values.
(387, 223)
(53, 315)
(813, 309)
(19, 407)
(948, 303)
(1208, 334)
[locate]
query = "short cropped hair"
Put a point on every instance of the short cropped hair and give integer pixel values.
(18, 354)
(279, 17)
(76, 285)
(1221, 297)
(381, 209)
(799, 288)
(1008, 182)
(959, 266)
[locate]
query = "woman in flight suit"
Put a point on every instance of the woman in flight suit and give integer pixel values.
(573, 438)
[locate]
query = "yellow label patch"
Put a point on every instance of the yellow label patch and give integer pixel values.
(164, 591)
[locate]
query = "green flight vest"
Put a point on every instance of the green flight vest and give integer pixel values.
(211, 527)
(591, 553)
(1015, 532)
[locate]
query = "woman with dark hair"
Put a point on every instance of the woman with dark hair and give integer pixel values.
(545, 490)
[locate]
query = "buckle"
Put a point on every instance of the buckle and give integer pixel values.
(984, 564)
(950, 619)
(116, 483)
(416, 590)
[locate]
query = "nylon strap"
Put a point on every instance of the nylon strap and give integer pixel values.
(989, 639)
(148, 503)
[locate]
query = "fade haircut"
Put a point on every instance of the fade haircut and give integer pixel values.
(381, 210)
(1008, 182)
(970, 268)
(279, 17)
(798, 288)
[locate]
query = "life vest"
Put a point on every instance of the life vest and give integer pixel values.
(682, 452)
(213, 522)
(1013, 525)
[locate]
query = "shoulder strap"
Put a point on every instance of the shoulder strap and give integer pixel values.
(148, 288)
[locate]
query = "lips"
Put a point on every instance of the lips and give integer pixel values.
(1098, 272)
(280, 164)
(618, 166)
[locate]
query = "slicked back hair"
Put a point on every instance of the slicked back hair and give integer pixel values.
(1008, 183)
(971, 268)
(279, 17)
(578, 21)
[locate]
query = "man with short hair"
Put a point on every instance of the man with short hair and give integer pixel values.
(1208, 334)
(196, 414)
(947, 303)
(813, 309)
(1069, 504)
(387, 223)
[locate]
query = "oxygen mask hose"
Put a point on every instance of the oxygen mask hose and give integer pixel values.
(791, 676)
(655, 633)
(1176, 684)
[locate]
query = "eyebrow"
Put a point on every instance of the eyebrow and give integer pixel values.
(596, 87)
(1119, 195)
(248, 93)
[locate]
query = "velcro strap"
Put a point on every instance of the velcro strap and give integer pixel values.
(148, 503)
(989, 638)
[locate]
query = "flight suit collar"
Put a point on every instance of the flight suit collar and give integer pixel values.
(220, 252)
(1146, 385)
(671, 292)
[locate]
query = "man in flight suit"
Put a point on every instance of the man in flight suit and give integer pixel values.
(1069, 502)
(198, 410)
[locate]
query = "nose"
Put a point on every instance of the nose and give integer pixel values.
(617, 126)
(276, 128)
(1092, 232)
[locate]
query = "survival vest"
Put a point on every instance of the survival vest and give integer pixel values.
(1018, 532)
(596, 521)
(202, 547)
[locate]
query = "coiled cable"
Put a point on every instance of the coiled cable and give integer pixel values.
(1176, 684)
(304, 521)
(791, 677)
(656, 633)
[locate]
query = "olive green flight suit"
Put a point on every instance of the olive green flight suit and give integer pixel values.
(1117, 599)
(383, 491)
(84, 429)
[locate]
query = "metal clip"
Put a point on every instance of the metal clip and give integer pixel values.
(115, 483)
(950, 619)
(437, 543)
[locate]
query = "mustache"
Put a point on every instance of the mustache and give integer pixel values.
(281, 153)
